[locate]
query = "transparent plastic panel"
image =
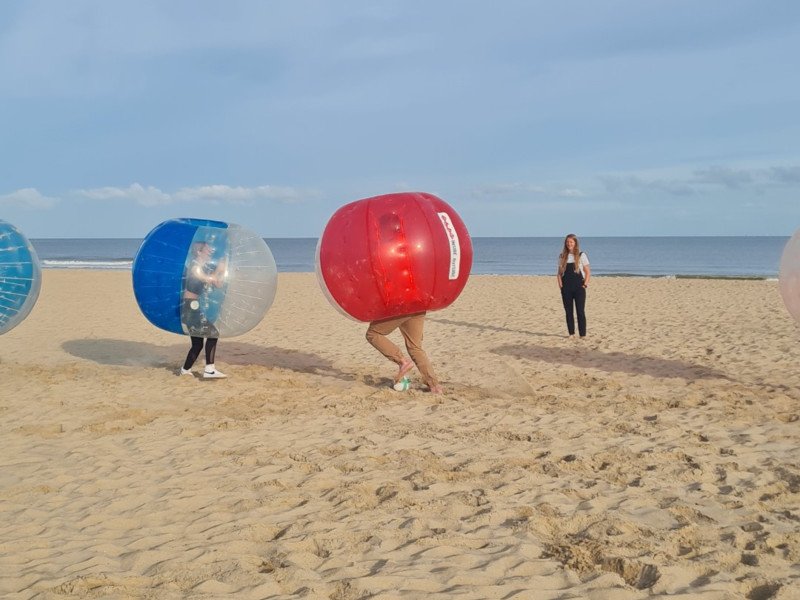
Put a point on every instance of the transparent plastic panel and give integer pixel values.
(251, 282)
(789, 276)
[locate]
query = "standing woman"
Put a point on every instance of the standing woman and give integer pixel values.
(573, 279)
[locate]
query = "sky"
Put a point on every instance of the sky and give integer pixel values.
(530, 118)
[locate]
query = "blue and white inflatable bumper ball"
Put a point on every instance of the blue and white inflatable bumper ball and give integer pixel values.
(20, 277)
(204, 278)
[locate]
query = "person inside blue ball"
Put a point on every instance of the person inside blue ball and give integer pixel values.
(203, 276)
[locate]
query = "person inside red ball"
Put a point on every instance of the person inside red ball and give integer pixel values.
(411, 327)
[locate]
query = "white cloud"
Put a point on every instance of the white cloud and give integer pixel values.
(28, 198)
(728, 177)
(243, 195)
(704, 180)
(570, 193)
(785, 175)
(498, 189)
(503, 189)
(146, 196)
(215, 194)
(634, 184)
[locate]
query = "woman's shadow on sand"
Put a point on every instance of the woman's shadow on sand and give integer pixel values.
(588, 358)
(127, 353)
(484, 327)
(611, 361)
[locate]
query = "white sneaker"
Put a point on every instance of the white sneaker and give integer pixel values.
(186, 371)
(214, 374)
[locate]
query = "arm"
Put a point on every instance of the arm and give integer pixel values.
(558, 274)
(219, 273)
(199, 273)
(583, 262)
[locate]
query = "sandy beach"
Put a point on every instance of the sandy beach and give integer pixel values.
(660, 456)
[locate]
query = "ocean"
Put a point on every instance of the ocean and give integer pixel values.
(750, 257)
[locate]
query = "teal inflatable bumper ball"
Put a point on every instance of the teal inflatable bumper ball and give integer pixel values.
(20, 277)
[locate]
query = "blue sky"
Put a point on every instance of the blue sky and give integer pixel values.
(535, 118)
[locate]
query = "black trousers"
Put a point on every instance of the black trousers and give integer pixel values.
(197, 346)
(575, 294)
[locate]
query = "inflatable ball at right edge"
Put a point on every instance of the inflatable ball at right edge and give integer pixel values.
(789, 276)
(394, 255)
(20, 277)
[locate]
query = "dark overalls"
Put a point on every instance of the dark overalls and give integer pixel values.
(572, 290)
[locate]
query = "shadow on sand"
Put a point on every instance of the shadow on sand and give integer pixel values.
(142, 354)
(485, 327)
(611, 361)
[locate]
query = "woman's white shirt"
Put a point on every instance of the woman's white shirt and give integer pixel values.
(583, 261)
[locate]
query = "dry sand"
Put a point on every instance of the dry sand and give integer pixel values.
(658, 457)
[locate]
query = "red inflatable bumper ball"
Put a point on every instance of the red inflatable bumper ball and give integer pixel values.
(394, 255)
